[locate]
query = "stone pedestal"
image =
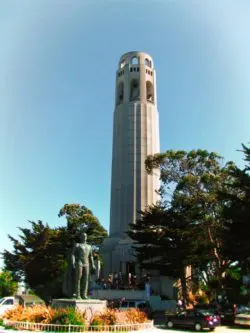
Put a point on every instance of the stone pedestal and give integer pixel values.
(83, 305)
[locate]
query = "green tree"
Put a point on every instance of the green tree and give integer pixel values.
(80, 218)
(8, 286)
(237, 215)
(40, 254)
(38, 258)
(190, 185)
(163, 242)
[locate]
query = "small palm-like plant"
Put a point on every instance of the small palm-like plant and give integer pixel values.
(67, 316)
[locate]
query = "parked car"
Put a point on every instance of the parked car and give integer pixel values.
(242, 318)
(225, 312)
(193, 319)
(214, 314)
(9, 302)
(6, 303)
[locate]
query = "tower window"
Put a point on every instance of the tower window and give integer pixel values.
(138, 69)
(150, 92)
(120, 93)
(134, 61)
(147, 62)
(134, 90)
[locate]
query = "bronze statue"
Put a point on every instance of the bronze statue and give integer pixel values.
(76, 279)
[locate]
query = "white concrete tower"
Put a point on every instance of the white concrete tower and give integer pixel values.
(135, 136)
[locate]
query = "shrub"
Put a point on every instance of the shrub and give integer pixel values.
(96, 321)
(67, 316)
(116, 317)
(135, 316)
(107, 317)
(14, 313)
(34, 314)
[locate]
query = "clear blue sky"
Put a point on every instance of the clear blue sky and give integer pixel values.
(57, 63)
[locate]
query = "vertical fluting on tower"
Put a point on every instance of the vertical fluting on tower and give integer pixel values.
(135, 136)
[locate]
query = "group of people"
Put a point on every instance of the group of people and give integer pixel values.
(118, 281)
(121, 281)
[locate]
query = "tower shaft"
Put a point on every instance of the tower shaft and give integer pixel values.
(135, 136)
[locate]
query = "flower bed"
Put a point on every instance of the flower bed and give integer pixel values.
(42, 318)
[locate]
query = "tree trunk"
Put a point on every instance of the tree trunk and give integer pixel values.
(184, 288)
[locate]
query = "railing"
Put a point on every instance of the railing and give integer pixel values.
(20, 325)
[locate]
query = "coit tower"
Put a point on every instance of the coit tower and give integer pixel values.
(135, 136)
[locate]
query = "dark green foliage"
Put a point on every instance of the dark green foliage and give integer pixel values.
(40, 255)
(163, 239)
(39, 258)
(81, 219)
(163, 242)
(188, 227)
(237, 215)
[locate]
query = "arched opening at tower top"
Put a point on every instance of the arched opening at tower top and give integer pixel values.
(148, 62)
(150, 92)
(120, 93)
(135, 61)
(134, 90)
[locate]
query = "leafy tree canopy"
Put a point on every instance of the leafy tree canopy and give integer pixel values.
(81, 219)
(39, 255)
(189, 218)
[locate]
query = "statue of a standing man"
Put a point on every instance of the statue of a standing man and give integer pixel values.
(82, 259)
